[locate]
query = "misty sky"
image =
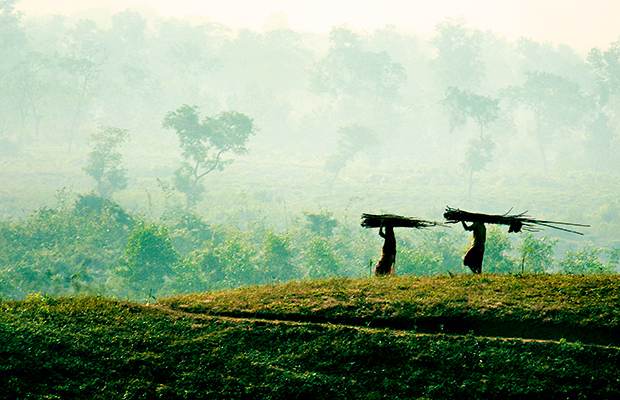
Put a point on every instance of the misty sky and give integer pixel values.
(581, 24)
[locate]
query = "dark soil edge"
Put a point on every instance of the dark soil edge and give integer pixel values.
(458, 325)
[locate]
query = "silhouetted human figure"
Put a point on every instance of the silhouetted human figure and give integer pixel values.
(385, 266)
(474, 256)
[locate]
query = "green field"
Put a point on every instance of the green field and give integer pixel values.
(463, 336)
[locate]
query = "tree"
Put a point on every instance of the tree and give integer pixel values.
(34, 76)
(434, 252)
(188, 231)
(149, 257)
(465, 103)
(606, 68)
(12, 41)
(547, 57)
(601, 130)
(85, 55)
(130, 93)
(497, 249)
(536, 254)
(275, 59)
(322, 260)
(348, 69)
(557, 105)
(614, 259)
(189, 50)
(104, 162)
(237, 259)
(478, 155)
(459, 54)
(11, 34)
(418, 260)
(71, 249)
(586, 261)
(204, 143)
(321, 223)
(276, 258)
(353, 139)
(600, 145)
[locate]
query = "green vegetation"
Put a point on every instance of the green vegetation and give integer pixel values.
(337, 338)
(90, 245)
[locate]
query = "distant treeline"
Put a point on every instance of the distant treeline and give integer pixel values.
(463, 96)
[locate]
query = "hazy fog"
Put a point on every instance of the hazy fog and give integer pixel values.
(581, 24)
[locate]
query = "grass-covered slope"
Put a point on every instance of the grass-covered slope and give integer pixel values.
(583, 308)
(299, 341)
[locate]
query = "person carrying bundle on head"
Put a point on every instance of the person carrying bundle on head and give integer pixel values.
(385, 266)
(386, 224)
(474, 256)
(516, 223)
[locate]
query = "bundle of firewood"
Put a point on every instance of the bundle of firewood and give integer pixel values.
(516, 222)
(396, 221)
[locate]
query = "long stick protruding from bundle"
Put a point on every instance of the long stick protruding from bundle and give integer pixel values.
(516, 222)
(396, 221)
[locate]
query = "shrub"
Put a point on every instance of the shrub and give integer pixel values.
(536, 254)
(586, 261)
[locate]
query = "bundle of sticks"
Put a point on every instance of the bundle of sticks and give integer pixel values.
(397, 221)
(516, 222)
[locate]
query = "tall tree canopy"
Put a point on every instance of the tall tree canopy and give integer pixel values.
(349, 69)
(353, 139)
(557, 104)
(606, 67)
(465, 103)
(459, 54)
(104, 162)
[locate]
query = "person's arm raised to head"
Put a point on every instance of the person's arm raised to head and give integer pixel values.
(381, 233)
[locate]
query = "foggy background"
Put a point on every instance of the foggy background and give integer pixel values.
(403, 109)
(579, 24)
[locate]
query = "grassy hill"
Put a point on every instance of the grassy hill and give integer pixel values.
(502, 337)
